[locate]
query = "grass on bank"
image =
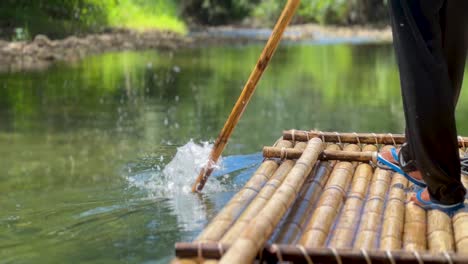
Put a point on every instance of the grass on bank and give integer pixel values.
(22, 19)
(144, 15)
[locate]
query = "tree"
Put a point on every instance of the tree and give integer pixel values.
(216, 12)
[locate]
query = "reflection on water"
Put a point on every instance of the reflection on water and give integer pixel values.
(83, 144)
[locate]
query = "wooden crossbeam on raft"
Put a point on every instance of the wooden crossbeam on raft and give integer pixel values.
(291, 153)
(297, 254)
(354, 138)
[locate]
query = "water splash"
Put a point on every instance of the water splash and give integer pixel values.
(179, 174)
(174, 181)
(174, 184)
(182, 171)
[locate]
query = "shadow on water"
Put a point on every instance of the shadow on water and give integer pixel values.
(84, 145)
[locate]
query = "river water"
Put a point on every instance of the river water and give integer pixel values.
(85, 146)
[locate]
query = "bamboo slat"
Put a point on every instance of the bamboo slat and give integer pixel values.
(394, 215)
(262, 198)
(440, 235)
(329, 205)
(290, 153)
(439, 232)
(252, 239)
(353, 138)
(460, 225)
(345, 229)
(296, 219)
(414, 234)
(223, 221)
(368, 232)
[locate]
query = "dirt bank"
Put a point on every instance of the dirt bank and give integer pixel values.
(42, 52)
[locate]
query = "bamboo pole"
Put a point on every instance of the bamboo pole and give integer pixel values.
(261, 199)
(394, 215)
(368, 233)
(252, 239)
(329, 205)
(364, 138)
(224, 220)
(414, 234)
(345, 229)
(297, 254)
(460, 225)
(290, 153)
(247, 93)
(293, 225)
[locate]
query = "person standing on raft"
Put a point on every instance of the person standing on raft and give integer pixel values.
(431, 49)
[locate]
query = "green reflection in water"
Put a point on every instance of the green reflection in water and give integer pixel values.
(70, 136)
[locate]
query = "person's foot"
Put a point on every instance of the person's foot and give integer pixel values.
(422, 199)
(387, 154)
(424, 196)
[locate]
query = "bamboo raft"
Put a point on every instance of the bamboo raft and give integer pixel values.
(317, 198)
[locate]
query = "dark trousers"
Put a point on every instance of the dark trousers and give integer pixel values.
(430, 43)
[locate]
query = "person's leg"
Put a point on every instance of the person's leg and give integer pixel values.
(454, 24)
(428, 96)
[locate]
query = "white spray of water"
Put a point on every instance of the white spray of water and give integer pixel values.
(180, 173)
(174, 182)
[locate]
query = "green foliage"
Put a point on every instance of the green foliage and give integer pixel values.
(21, 19)
(268, 10)
(21, 34)
(217, 11)
(59, 18)
(325, 11)
(265, 11)
(145, 14)
(322, 11)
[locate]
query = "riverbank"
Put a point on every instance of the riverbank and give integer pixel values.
(304, 32)
(41, 52)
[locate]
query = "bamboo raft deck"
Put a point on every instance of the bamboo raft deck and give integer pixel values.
(317, 198)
